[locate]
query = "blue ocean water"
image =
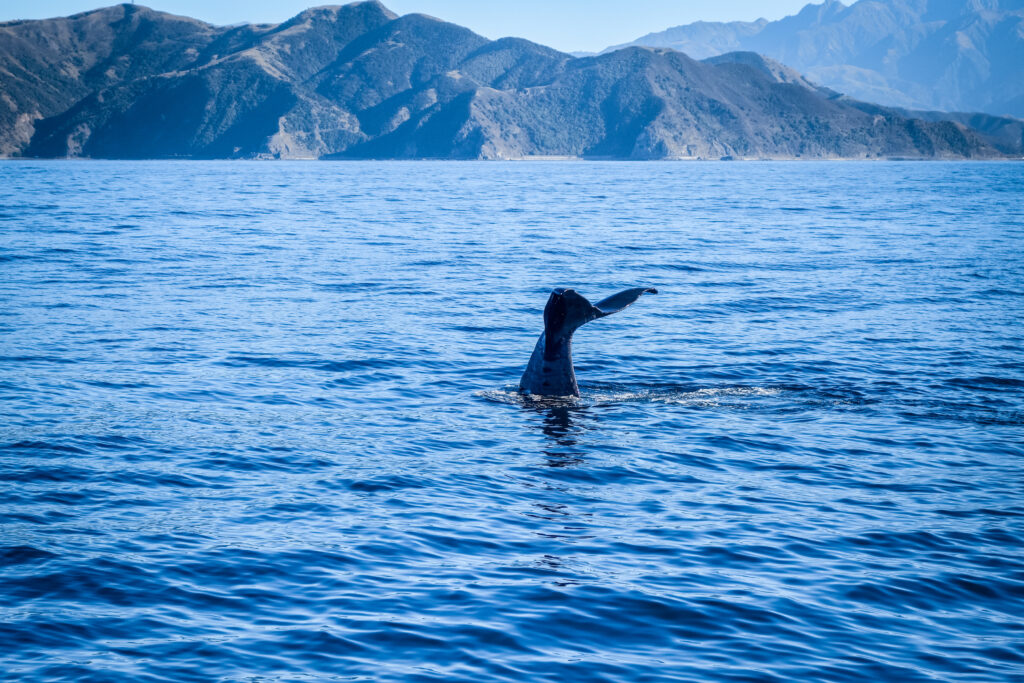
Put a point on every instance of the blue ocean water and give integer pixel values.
(260, 422)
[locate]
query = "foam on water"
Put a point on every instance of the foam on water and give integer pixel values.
(591, 395)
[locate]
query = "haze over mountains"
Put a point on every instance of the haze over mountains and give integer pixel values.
(950, 55)
(357, 81)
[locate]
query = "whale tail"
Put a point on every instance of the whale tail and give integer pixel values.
(616, 302)
(550, 371)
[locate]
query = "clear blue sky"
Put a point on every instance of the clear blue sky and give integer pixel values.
(563, 24)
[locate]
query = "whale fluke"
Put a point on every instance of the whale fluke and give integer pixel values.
(616, 302)
(550, 371)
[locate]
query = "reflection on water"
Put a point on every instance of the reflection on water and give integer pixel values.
(562, 426)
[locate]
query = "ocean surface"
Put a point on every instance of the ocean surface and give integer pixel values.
(260, 422)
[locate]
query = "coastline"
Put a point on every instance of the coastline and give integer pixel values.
(539, 159)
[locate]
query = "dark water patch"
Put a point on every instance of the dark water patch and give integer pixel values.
(24, 554)
(102, 384)
(224, 285)
(299, 510)
(37, 359)
(194, 396)
(49, 634)
(900, 544)
(937, 594)
(386, 484)
(42, 448)
(62, 473)
(9, 258)
(959, 412)
(365, 379)
(45, 521)
(248, 462)
(113, 442)
(983, 512)
(171, 480)
(1001, 292)
(320, 365)
(988, 383)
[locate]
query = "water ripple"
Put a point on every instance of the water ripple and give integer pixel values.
(261, 422)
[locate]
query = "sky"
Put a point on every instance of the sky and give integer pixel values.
(569, 25)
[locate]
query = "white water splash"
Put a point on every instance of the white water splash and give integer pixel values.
(705, 397)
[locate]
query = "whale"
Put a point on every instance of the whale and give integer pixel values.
(550, 371)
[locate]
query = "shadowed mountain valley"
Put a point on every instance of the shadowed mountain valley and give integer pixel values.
(358, 81)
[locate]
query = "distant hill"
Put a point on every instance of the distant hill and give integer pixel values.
(357, 81)
(949, 55)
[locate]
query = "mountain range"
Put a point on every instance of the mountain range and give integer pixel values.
(950, 55)
(358, 81)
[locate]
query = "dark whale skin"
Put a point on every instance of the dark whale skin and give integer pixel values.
(550, 371)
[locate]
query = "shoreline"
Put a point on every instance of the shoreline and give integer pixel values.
(537, 159)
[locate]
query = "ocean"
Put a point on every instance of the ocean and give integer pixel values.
(260, 422)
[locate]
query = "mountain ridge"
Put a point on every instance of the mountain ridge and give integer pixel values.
(949, 55)
(358, 81)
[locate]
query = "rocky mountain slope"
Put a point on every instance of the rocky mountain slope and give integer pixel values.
(950, 55)
(357, 81)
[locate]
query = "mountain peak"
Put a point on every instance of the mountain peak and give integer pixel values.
(780, 73)
(334, 13)
(356, 81)
(953, 55)
(811, 15)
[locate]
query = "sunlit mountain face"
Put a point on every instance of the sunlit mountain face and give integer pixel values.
(358, 81)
